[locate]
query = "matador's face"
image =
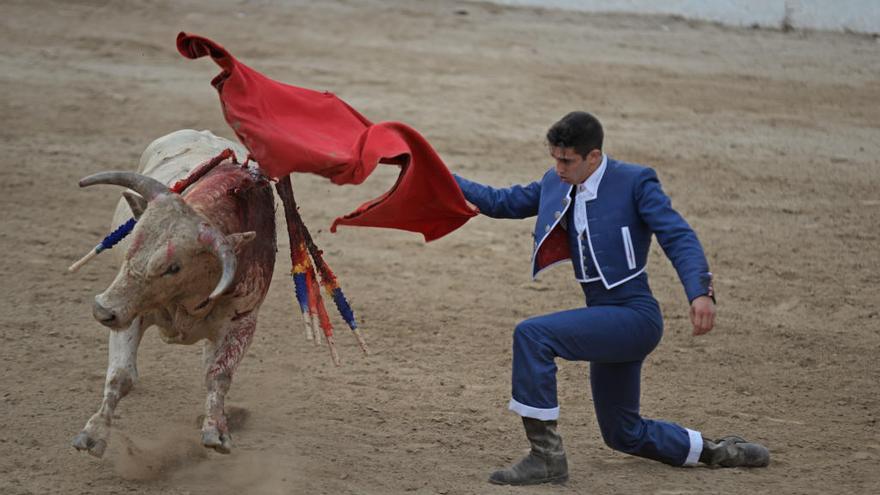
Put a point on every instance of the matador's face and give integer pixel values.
(573, 168)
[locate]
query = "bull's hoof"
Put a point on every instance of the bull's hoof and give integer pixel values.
(213, 439)
(84, 442)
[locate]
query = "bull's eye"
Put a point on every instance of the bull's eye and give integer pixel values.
(172, 269)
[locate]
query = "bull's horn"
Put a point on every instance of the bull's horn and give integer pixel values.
(136, 203)
(225, 253)
(147, 187)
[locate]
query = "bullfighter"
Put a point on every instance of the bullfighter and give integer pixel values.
(601, 214)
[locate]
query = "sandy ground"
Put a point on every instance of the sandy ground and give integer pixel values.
(767, 141)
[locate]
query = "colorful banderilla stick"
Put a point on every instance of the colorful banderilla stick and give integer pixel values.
(331, 285)
(304, 277)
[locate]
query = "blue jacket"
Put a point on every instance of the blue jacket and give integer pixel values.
(629, 208)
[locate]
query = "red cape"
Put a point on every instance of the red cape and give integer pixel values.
(290, 129)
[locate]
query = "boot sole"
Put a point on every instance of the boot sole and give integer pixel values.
(558, 480)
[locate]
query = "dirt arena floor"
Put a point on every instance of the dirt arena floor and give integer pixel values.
(767, 142)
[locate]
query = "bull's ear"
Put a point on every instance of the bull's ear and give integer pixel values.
(240, 239)
(136, 202)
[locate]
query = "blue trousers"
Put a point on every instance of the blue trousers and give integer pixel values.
(615, 339)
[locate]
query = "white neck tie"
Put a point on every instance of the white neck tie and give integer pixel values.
(580, 210)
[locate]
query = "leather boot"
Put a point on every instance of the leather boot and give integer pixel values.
(545, 463)
(733, 451)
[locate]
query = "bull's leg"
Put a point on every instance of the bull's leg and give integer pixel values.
(221, 358)
(121, 376)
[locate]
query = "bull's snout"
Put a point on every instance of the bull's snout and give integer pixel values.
(105, 316)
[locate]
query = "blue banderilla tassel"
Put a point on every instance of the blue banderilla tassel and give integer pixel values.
(344, 308)
(116, 236)
(302, 295)
(108, 242)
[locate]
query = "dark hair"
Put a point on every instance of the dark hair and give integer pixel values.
(579, 130)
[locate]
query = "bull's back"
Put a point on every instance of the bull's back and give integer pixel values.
(173, 156)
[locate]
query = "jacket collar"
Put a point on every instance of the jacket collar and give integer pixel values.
(589, 189)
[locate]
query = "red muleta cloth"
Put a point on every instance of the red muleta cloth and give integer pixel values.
(290, 129)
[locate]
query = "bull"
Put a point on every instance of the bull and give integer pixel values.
(197, 266)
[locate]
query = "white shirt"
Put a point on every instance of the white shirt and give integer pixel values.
(587, 191)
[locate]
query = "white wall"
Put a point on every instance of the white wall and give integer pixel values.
(855, 15)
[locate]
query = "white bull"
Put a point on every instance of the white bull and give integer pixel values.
(196, 265)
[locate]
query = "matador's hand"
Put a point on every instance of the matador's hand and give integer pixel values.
(702, 314)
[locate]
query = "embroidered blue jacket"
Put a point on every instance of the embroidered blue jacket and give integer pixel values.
(629, 208)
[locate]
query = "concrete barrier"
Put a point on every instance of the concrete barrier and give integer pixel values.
(861, 16)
